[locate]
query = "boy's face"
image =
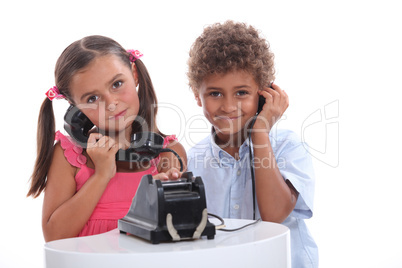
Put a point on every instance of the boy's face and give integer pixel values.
(229, 100)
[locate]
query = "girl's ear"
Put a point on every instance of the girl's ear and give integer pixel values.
(135, 74)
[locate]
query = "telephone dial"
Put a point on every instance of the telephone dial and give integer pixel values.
(144, 146)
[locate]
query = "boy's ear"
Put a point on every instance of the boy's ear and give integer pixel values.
(198, 99)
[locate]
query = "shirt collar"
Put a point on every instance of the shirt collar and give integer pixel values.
(216, 150)
(218, 153)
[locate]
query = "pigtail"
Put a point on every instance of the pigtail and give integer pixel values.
(148, 100)
(45, 143)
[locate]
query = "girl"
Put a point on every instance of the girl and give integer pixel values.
(86, 190)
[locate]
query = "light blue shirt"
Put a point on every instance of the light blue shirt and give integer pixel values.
(228, 186)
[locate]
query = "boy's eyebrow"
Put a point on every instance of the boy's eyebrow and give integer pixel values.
(213, 88)
(106, 84)
(236, 87)
(242, 86)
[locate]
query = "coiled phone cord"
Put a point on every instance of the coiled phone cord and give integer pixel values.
(176, 154)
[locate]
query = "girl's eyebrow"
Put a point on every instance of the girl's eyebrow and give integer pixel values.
(87, 94)
(113, 79)
(106, 84)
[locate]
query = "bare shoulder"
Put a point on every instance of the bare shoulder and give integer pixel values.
(176, 145)
(60, 163)
(60, 177)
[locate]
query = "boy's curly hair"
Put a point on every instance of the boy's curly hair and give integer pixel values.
(227, 47)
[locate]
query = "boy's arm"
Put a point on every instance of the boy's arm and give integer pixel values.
(276, 197)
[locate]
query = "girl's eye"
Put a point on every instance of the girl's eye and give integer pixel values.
(117, 84)
(92, 99)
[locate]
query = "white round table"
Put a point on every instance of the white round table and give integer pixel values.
(263, 244)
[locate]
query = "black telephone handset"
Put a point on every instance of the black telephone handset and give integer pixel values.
(77, 125)
(144, 146)
(261, 102)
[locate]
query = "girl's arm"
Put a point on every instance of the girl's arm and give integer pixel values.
(276, 197)
(65, 211)
(169, 164)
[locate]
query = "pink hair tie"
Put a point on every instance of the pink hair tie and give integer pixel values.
(54, 93)
(134, 54)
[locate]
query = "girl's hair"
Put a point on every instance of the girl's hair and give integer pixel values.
(73, 59)
(227, 47)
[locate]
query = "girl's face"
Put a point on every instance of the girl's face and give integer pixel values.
(105, 91)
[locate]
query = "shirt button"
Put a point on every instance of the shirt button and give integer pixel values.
(236, 206)
(238, 172)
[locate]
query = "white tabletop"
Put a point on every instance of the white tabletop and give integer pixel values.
(259, 245)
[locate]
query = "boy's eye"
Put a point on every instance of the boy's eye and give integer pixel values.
(241, 93)
(92, 99)
(215, 94)
(117, 84)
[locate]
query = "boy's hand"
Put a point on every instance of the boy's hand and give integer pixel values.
(171, 174)
(276, 103)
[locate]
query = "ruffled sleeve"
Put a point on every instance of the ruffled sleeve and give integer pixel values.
(72, 151)
(168, 139)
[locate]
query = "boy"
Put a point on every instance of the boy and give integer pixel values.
(230, 68)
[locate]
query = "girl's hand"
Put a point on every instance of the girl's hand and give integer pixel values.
(102, 150)
(276, 103)
(171, 174)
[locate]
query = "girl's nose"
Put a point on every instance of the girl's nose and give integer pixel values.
(111, 104)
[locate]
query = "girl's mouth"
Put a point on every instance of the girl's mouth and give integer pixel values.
(119, 115)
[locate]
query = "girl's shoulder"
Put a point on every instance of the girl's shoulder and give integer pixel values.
(167, 160)
(169, 141)
(173, 143)
(72, 152)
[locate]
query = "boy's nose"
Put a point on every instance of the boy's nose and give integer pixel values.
(229, 106)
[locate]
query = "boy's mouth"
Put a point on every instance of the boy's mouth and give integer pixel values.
(227, 118)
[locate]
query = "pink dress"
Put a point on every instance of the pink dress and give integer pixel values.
(117, 197)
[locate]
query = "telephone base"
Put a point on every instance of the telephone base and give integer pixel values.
(168, 211)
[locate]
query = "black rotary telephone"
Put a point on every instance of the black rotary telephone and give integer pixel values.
(144, 146)
(160, 211)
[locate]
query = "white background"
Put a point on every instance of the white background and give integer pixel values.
(339, 62)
